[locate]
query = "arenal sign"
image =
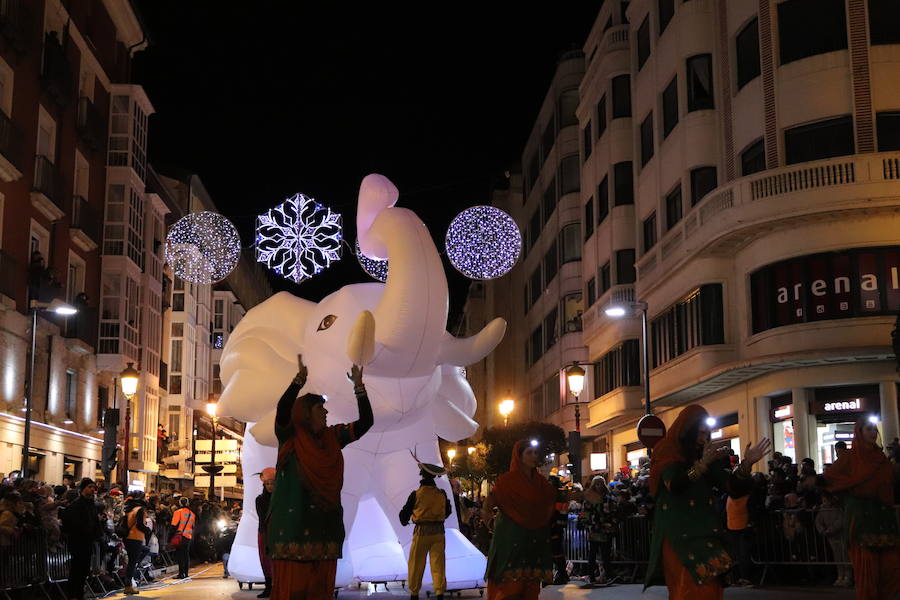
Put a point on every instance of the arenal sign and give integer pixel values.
(857, 282)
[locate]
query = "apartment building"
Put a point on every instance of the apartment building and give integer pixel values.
(763, 140)
(738, 171)
(72, 135)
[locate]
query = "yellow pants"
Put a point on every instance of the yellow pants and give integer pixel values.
(433, 546)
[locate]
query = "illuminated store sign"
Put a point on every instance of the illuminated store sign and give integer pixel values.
(851, 405)
(835, 285)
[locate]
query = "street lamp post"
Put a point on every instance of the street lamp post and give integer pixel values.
(129, 379)
(61, 308)
(506, 407)
(212, 469)
(620, 310)
(451, 454)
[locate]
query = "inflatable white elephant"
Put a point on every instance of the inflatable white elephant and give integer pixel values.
(414, 381)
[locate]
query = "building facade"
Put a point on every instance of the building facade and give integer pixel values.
(764, 221)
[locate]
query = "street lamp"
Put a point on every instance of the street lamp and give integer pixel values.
(616, 311)
(61, 308)
(471, 450)
(128, 379)
(212, 410)
(451, 454)
(506, 407)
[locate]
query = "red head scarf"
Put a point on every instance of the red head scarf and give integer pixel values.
(318, 455)
(669, 450)
(863, 470)
(526, 499)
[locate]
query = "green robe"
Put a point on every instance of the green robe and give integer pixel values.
(518, 553)
(300, 528)
(688, 520)
(869, 523)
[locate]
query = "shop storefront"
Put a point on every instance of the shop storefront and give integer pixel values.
(725, 432)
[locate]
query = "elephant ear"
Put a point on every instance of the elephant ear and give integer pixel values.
(454, 406)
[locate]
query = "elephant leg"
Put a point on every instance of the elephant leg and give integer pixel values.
(357, 475)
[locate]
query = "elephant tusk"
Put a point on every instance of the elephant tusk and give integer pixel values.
(462, 352)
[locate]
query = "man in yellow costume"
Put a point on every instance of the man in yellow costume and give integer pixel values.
(428, 507)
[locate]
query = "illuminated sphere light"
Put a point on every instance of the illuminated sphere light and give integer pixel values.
(377, 269)
(483, 242)
(298, 238)
(203, 247)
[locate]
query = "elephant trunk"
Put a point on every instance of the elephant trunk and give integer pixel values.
(411, 317)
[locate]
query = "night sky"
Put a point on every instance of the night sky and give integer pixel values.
(266, 99)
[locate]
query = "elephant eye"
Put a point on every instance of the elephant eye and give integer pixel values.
(327, 322)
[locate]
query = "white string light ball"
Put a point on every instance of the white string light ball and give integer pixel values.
(298, 238)
(377, 269)
(203, 247)
(483, 242)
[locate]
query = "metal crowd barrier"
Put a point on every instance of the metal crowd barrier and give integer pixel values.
(630, 545)
(21, 564)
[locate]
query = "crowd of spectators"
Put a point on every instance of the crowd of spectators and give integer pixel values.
(37, 510)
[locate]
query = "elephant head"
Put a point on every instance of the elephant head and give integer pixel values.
(412, 361)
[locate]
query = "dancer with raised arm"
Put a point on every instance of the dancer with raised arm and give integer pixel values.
(863, 478)
(306, 520)
(687, 549)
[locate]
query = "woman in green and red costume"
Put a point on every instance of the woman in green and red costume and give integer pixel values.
(519, 558)
(306, 520)
(863, 477)
(687, 549)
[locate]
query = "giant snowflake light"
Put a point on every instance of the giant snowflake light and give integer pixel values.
(376, 268)
(298, 238)
(203, 247)
(483, 242)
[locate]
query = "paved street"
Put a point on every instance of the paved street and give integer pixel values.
(206, 583)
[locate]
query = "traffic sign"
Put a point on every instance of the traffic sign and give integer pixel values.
(202, 481)
(221, 445)
(225, 469)
(650, 430)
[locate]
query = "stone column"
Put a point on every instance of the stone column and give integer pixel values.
(890, 423)
(800, 401)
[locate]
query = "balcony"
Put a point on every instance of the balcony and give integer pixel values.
(615, 38)
(84, 229)
(46, 191)
(82, 326)
(733, 214)
(10, 149)
(164, 375)
(594, 317)
(8, 267)
(14, 24)
(56, 74)
(91, 125)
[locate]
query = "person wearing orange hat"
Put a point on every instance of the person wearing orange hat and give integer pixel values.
(262, 512)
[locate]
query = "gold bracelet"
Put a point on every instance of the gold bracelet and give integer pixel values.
(299, 380)
(696, 471)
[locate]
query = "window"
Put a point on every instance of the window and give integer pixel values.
(219, 314)
(570, 242)
(650, 231)
(603, 277)
(700, 82)
(175, 384)
(888, 127)
(623, 11)
(666, 12)
(176, 356)
(603, 199)
(883, 18)
(643, 43)
(568, 102)
(7, 78)
(647, 139)
(572, 308)
(551, 264)
(569, 175)
(531, 175)
(670, 107)
(673, 207)
(587, 139)
(71, 394)
(753, 159)
(601, 116)
(810, 27)
(536, 285)
(823, 139)
(534, 227)
(551, 328)
(625, 272)
(703, 181)
(617, 368)
(74, 277)
(548, 139)
(591, 291)
(621, 91)
(747, 53)
(589, 219)
(548, 204)
(697, 320)
(622, 172)
(537, 344)
(551, 396)
(177, 329)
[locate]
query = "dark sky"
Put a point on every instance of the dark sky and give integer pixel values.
(265, 99)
